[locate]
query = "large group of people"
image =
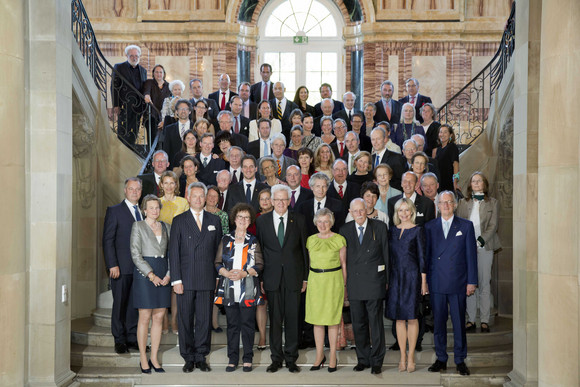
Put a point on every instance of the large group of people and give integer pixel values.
(271, 208)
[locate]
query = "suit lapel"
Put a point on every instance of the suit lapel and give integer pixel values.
(289, 227)
(127, 212)
(193, 226)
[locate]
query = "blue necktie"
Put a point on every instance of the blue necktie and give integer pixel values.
(377, 159)
(361, 234)
(248, 193)
(137, 213)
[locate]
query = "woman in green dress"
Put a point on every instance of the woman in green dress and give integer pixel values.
(326, 285)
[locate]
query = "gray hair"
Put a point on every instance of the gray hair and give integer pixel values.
(420, 136)
(340, 120)
(225, 112)
(379, 129)
(355, 134)
(225, 170)
(138, 180)
(160, 152)
(440, 195)
(196, 80)
(427, 175)
(197, 184)
(281, 83)
(264, 159)
(338, 161)
(433, 108)
(387, 82)
(347, 93)
(410, 141)
(355, 200)
(370, 104)
(224, 75)
(293, 166)
(327, 99)
(176, 82)
(324, 212)
(296, 127)
(132, 47)
(234, 147)
(325, 118)
(414, 80)
(414, 112)
(278, 136)
(319, 176)
(281, 187)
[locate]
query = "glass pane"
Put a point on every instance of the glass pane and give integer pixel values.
(285, 30)
(273, 27)
(311, 22)
(273, 58)
(313, 97)
(287, 62)
(283, 10)
(289, 80)
(301, 19)
(328, 27)
(313, 61)
(329, 61)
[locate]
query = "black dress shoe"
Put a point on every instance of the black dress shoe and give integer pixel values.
(275, 366)
(470, 327)
(360, 367)
(121, 348)
(188, 367)
(292, 367)
(437, 366)
(395, 347)
(132, 345)
(375, 370)
(159, 370)
(462, 369)
(231, 368)
(247, 368)
(203, 366)
(418, 347)
(217, 330)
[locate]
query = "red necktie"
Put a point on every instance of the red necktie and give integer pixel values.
(265, 96)
(340, 193)
(237, 124)
(388, 110)
(341, 148)
(223, 104)
(413, 100)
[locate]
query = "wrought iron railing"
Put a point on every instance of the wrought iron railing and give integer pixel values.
(467, 111)
(134, 121)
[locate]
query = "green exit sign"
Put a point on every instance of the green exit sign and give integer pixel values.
(300, 39)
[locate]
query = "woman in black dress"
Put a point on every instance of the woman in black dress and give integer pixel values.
(407, 278)
(300, 99)
(447, 156)
(364, 168)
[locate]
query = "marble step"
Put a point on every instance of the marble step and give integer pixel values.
(84, 332)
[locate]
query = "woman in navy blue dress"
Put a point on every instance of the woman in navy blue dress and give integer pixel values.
(407, 278)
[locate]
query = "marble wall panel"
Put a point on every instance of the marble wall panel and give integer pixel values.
(393, 74)
(178, 5)
(111, 8)
(487, 8)
(431, 73)
(176, 67)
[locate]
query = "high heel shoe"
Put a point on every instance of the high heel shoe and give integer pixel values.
(147, 371)
(333, 369)
(411, 367)
(402, 366)
(160, 369)
(319, 366)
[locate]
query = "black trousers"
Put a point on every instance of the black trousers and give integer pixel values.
(283, 308)
(240, 319)
(306, 332)
(194, 344)
(124, 317)
(367, 325)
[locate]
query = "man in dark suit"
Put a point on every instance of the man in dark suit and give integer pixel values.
(117, 251)
(339, 146)
(226, 122)
(174, 133)
(127, 82)
(263, 90)
(424, 206)
(282, 107)
(151, 180)
(367, 262)
(247, 190)
(195, 237)
(223, 95)
(352, 150)
(451, 261)
(414, 98)
(319, 183)
(278, 142)
(210, 166)
(262, 146)
(241, 124)
(384, 156)
(298, 194)
(282, 236)
(223, 179)
(388, 109)
(346, 114)
(196, 88)
(326, 92)
(326, 109)
(341, 189)
(249, 108)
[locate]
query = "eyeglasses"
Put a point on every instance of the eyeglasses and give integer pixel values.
(241, 217)
(280, 200)
(448, 202)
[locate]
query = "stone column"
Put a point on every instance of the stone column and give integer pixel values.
(559, 207)
(357, 77)
(525, 189)
(13, 280)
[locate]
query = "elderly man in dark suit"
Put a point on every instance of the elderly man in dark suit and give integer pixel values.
(150, 181)
(223, 95)
(382, 155)
(341, 189)
(388, 109)
(282, 235)
(195, 236)
(117, 251)
(263, 90)
(298, 194)
(451, 259)
(366, 284)
(424, 205)
(247, 189)
(347, 113)
(414, 98)
(127, 82)
(326, 92)
(278, 142)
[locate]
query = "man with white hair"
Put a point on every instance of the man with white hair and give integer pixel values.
(347, 113)
(282, 107)
(282, 162)
(223, 95)
(128, 77)
(326, 109)
(414, 98)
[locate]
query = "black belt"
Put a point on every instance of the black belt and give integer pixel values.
(325, 270)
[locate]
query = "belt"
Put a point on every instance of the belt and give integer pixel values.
(325, 270)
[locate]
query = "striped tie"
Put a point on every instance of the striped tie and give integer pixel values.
(279, 110)
(279, 168)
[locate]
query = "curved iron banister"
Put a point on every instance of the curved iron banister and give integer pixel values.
(467, 111)
(136, 124)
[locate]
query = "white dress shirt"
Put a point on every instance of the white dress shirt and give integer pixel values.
(132, 209)
(337, 188)
(193, 212)
(252, 185)
(276, 218)
(322, 203)
(183, 127)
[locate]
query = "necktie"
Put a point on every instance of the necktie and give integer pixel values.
(318, 206)
(221, 201)
(340, 192)
(361, 233)
(281, 231)
(351, 164)
(248, 193)
(412, 100)
(244, 110)
(197, 215)
(341, 148)
(237, 127)
(137, 213)
(279, 110)
(349, 115)
(265, 93)
(234, 178)
(266, 148)
(279, 168)
(445, 228)
(205, 162)
(293, 199)
(223, 104)
(388, 110)
(182, 130)
(377, 160)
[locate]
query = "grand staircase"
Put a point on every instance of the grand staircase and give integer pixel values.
(94, 360)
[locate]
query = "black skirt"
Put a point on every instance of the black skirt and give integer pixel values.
(145, 294)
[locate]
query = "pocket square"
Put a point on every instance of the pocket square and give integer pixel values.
(211, 228)
(459, 233)
(420, 214)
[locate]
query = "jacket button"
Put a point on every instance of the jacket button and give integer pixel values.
(438, 257)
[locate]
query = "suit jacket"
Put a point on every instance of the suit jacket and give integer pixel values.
(237, 194)
(216, 96)
(173, 142)
(289, 261)
(120, 89)
(117, 238)
(192, 251)
(285, 163)
(305, 194)
(394, 161)
(338, 106)
(256, 92)
(352, 191)
(343, 114)
(144, 244)
(381, 115)
(286, 126)
(336, 149)
(208, 173)
(149, 185)
(421, 100)
(254, 148)
(306, 208)
(253, 110)
(452, 262)
(244, 126)
(488, 220)
(425, 209)
(212, 107)
(367, 263)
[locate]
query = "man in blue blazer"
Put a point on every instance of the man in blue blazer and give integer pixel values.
(117, 251)
(451, 257)
(195, 236)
